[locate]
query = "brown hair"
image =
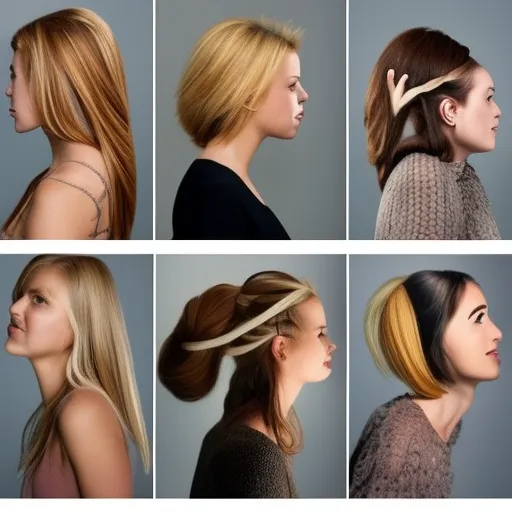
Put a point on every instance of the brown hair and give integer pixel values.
(76, 76)
(254, 385)
(423, 54)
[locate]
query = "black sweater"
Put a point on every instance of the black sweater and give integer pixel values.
(241, 463)
(213, 203)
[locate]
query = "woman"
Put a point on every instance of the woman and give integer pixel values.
(430, 191)
(241, 85)
(67, 77)
(433, 332)
(67, 320)
(275, 328)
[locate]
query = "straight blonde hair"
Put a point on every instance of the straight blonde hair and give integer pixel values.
(76, 77)
(230, 70)
(100, 358)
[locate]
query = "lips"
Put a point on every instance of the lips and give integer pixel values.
(300, 116)
(494, 354)
(327, 364)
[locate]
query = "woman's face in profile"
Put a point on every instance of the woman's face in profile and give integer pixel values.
(21, 106)
(39, 326)
(280, 113)
(471, 339)
(476, 122)
(309, 354)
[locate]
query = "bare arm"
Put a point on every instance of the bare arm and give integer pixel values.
(95, 445)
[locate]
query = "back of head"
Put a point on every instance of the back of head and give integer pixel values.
(101, 357)
(229, 72)
(189, 370)
(423, 55)
(405, 322)
(76, 77)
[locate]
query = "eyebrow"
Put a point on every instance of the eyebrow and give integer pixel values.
(493, 89)
(295, 76)
(477, 309)
(322, 327)
(40, 291)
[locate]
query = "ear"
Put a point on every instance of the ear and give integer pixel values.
(448, 110)
(279, 348)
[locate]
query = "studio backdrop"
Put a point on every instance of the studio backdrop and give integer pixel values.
(319, 470)
(302, 180)
(24, 155)
(19, 390)
(481, 456)
(481, 26)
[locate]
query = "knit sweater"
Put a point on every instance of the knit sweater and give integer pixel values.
(426, 199)
(400, 455)
(241, 462)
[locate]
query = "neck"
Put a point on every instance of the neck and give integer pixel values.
(50, 374)
(63, 151)
(238, 152)
(288, 392)
(444, 413)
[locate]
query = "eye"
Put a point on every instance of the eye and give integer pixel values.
(479, 318)
(38, 300)
(293, 86)
(489, 98)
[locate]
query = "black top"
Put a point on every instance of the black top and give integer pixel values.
(240, 462)
(214, 203)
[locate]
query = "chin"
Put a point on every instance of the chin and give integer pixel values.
(20, 128)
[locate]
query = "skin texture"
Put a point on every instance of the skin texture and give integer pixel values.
(92, 435)
(306, 354)
(468, 340)
(276, 116)
(470, 126)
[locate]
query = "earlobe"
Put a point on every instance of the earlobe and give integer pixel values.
(448, 111)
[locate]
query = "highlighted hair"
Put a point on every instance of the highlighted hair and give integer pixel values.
(229, 72)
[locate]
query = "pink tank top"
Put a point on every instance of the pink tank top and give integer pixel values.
(53, 478)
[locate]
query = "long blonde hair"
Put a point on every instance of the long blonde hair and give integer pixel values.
(100, 358)
(230, 70)
(76, 77)
(191, 375)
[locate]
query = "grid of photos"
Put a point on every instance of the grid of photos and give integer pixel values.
(276, 260)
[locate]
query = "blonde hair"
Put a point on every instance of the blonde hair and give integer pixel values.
(393, 338)
(76, 76)
(191, 375)
(229, 72)
(100, 358)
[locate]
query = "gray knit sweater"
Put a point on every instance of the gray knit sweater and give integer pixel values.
(426, 199)
(400, 455)
(241, 463)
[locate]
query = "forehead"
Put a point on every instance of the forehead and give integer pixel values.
(290, 65)
(482, 79)
(471, 297)
(312, 313)
(48, 279)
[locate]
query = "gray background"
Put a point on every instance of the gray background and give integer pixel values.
(19, 391)
(484, 27)
(180, 427)
(481, 457)
(302, 180)
(25, 155)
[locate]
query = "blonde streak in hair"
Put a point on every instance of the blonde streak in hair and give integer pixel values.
(372, 322)
(402, 346)
(82, 373)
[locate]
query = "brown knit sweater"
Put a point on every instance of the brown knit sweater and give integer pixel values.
(241, 462)
(400, 455)
(426, 199)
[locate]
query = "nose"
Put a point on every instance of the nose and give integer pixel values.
(331, 348)
(16, 308)
(8, 91)
(498, 113)
(497, 335)
(303, 95)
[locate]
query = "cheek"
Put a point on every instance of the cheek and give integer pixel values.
(48, 333)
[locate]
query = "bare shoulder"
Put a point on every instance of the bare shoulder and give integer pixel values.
(89, 177)
(86, 409)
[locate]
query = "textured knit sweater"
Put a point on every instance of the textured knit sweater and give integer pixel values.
(241, 463)
(426, 199)
(400, 455)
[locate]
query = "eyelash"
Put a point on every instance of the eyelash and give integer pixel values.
(38, 303)
(490, 98)
(292, 87)
(479, 318)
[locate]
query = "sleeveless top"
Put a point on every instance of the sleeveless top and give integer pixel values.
(98, 201)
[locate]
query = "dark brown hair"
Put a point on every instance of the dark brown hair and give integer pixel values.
(191, 375)
(423, 54)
